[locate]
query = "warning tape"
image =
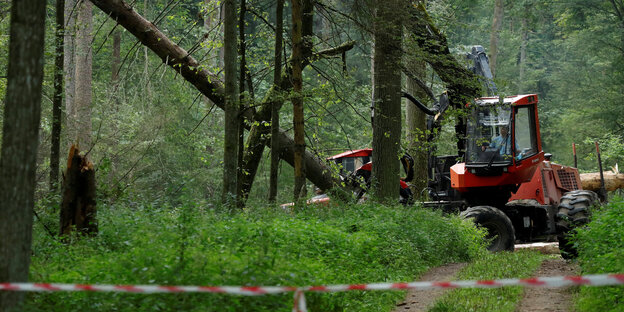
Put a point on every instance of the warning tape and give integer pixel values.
(299, 298)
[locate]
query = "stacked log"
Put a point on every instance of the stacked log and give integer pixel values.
(613, 181)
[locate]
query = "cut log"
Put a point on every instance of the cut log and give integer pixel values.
(591, 181)
(78, 208)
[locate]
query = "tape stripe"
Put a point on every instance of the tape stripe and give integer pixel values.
(560, 281)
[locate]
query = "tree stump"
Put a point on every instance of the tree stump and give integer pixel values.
(78, 208)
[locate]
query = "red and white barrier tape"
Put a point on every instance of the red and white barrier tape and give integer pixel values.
(299, 298)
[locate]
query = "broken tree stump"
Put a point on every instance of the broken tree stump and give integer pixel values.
(78, 207)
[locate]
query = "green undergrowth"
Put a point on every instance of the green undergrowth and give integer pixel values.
(194, 245)
(519, 264)
(601, 250)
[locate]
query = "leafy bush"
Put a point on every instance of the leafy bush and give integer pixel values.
(601, 250)
(192, 245)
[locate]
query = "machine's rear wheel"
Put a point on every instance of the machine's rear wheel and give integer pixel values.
(573, 212)
(499, 227)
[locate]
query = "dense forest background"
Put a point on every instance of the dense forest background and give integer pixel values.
(155, 137)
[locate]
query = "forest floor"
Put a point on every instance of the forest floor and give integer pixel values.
(534, 299)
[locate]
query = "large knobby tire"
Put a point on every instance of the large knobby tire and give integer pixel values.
(499, 227)
(573, 212)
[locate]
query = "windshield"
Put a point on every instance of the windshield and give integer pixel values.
(489, 136)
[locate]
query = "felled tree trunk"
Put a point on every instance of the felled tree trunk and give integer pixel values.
(591, 181)
(78, 208)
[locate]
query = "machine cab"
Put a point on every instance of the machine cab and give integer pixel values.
(503, 144)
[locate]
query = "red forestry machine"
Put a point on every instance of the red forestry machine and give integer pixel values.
(504, 181)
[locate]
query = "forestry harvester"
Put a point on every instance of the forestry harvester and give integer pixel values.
(504, 182)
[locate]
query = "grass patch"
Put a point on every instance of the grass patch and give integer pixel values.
(519, 264)
(192, 245)
(601, 250)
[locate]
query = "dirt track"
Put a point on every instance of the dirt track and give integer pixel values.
(549, 299)
(534, 299)
(419, 300)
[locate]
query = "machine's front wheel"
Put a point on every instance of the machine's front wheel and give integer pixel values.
(500, 230)
(574, 211)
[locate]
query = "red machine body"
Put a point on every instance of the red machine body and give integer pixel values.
(519, 166)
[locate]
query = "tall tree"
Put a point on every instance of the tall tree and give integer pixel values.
(387, 99)
(83, 75)
(242, 98)
(497, 22)
(277, 74)
(20, 141)
(70, 70)
(297, 97)
(78, 202)
(55, 145)
(230, 150)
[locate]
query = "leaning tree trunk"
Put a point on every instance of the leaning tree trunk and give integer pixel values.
(78, 209)
(20, 142)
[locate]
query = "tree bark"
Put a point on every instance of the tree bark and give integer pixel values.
(83, 75)
(497, 22)
(78, 208)
(20, 141)
(387, 100)
(230, 145)
(523, 47)
(416, 128)
(69, 65)
(297, 97)
(57, 100)
(243, 74)
(116, 58)
(277, 74)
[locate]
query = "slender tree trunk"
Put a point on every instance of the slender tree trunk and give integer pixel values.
(497, 22)
(416, 127)
(83, 75)
(387, 101)
(230, 153)
(116, 59)
(243, 73)
(69, 64)
(55, 145)
(277, 74)
(297, 97)
(522, 61)
(20, 141)
(146, 75)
